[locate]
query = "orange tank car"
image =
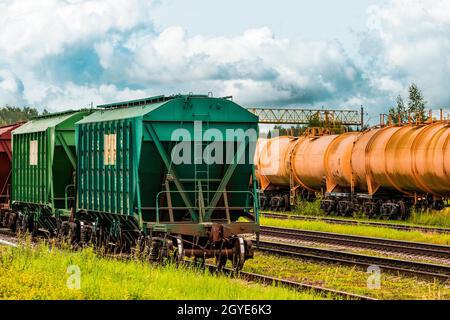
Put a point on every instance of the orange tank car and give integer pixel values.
(382, 172)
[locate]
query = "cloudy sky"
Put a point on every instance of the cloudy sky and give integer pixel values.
(60, 54)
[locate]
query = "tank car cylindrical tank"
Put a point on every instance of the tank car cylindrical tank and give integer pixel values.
(404, 160)
(308, 159)
(382, 171)
(272, 163)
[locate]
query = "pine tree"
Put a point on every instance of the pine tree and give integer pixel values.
(416, 104)
(399, 112)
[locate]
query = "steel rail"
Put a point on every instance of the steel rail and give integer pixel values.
(356, 222)
(298, 286)
(421, 269)
(415, 248)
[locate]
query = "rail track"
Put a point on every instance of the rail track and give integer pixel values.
(268, 280)
(7, 238)
(418, 269)
(357, 222)
(413, 248)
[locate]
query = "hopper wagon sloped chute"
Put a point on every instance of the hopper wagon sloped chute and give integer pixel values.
(130, 186)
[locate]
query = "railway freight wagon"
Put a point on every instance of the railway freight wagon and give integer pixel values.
(5, 172)
(43, 171)
(382, 172)
(169, 172)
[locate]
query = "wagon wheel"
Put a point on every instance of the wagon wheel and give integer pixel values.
(178, 254)
(73, 233)
(158, 250)
(17, 225)
(141, 248)
(123, 244)
(221, 259)
(33, 228)
(96, 237)
(287, 203)
(112, 245)
(403, 212)
(239, 254)
(24, 224)
(2, 217)
(117, 244)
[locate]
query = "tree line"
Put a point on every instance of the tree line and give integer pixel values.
(413, 111)
(10, 114)
(314, 122)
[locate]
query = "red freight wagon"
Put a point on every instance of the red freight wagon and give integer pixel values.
(5, 164)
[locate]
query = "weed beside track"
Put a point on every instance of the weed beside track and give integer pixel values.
(39, 273)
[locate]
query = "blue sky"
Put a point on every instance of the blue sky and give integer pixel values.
(59, 54)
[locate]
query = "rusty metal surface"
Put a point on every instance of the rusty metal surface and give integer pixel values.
(209, 253)
(204, 229)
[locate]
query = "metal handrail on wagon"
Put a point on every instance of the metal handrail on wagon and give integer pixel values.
(207, 208)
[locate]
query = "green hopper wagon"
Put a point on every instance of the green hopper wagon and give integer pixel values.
(169, 172)
(43, 173)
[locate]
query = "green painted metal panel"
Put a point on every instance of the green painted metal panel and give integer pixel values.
(196, 107)
(46, 122)
(106, 180)
(119, 114)
(203, 109)
(131, 183)
(42, 166)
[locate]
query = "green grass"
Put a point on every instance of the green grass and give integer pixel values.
(346, 278)
(308, 208)
(431, 218)
(428, 218)
(40, 273)
(359, 230)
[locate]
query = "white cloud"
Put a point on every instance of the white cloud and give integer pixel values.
(72, 96)
(256, 66)
(33, 29)
(409, 41)
(118, 49)
(10, 87)
(36, 33)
